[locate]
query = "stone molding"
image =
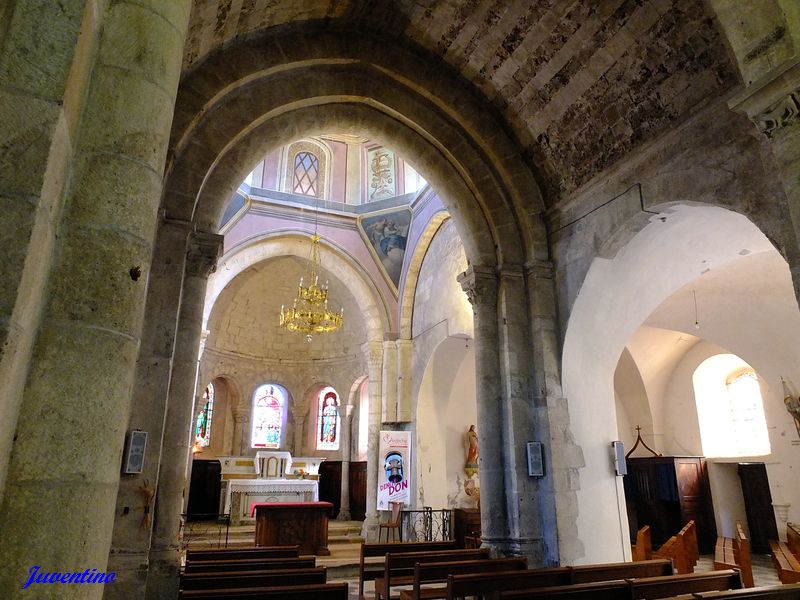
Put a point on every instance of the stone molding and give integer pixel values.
(203, 252)
(480, 284)
(374, 353)
(539, 269)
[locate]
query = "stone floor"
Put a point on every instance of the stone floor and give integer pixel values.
(344, 540)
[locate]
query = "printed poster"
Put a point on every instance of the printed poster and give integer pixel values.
(395, 474)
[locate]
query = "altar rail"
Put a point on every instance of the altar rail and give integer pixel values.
(426, 525)
(208, 526)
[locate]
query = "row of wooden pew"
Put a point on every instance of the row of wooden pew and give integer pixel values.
(786, 557)
(276, 572)
(681, 548)
(437, 570)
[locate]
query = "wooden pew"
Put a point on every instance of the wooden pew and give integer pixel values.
(686, 583)
(632, 589)
(484, 584)
(793, 538)
(250, 579)
(682, 549)
(325, 591)
(237, 553)
(261, 564)
(368, 571)
(398, 567)
(786, 564)
(623, 570)
(770, 592)
(427, 573)
(734, 553)
(643, 548)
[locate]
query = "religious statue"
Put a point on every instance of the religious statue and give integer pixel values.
(792, 406)
(471, 467)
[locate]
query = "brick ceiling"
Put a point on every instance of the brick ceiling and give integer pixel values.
(580, 83)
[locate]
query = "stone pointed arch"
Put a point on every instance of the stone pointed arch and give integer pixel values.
(398, 94)
(409, 283)
(295, 243)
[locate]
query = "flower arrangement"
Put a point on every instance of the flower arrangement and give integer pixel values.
(300, 473)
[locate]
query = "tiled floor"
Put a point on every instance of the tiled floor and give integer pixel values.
(763, 571)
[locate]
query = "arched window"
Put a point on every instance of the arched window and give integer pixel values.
(267, 419)
(730, 409)
(202, 431)
(306, 174)
(328, 420)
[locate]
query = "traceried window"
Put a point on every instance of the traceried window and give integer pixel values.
(202, 431)
(730, 408)
(267, 418)
(328, 420)
(306, 174)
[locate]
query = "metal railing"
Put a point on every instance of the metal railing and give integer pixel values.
(205, 526)
(426, 525)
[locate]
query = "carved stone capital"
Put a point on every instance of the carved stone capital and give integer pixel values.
(772, 102)
(203, 252)
(241, 415)
(374, 353)
(480, 285)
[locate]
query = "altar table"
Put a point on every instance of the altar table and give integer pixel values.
(289, 523)
(240, 494)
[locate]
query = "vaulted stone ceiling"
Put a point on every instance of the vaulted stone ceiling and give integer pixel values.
(581, 83)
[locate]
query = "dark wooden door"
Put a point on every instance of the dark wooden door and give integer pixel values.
(695, 498)
(330, 485)
(204, 490)
(358, 490)
(758, 506)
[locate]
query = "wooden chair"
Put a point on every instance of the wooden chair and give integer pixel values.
(393, 522)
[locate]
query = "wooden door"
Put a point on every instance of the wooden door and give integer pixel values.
(204, 487)
(695, 500)
(330, 485)
(358, 490)
(758, 506)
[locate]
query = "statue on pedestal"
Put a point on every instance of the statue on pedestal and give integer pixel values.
(471, 467)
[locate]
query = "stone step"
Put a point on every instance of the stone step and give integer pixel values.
(344, 539)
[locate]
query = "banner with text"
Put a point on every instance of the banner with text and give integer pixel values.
(395, 475)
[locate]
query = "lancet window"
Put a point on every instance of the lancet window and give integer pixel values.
(267, 420)
(306, 174)
(202, 431)
(328, 420)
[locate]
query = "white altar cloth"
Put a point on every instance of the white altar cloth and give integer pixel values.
(243, 492)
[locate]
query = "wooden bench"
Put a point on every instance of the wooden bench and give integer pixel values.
(734, 553)
(632, 589)
(682, 549)
(325, 591)
(237, 553)
(398, 567)
(786, 564)
(428, 573)
(770, 592)
(368, 571)
(260, 564)
(793, 538)
(249, 579)
(643, 548)
(484, 584)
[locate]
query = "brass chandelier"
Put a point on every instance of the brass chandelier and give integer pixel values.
(310, 313)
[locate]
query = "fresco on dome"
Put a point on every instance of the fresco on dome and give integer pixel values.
(386, 233)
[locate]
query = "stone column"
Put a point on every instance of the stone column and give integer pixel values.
(481, 286)
(63, 475)
(131, 541)
(405, 355)
(299, 415)
(389, 383)
(773, 104)
(374, 354)
(241, 431)
(519, 419)
(162, 577)
(344, 502)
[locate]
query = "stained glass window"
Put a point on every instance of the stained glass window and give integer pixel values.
(202, 431)
(267, 418)
(328, 420)
(306, 174)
